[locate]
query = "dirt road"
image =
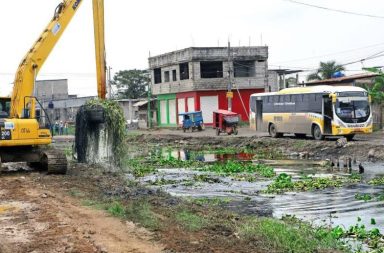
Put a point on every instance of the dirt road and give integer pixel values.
(38, 215)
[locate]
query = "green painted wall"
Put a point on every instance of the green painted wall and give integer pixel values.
(166, 97)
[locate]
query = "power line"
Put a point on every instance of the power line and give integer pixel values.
(336, 53)
(335, 10)
(376, 55)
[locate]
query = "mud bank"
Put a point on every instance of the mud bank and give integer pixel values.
(362, 149)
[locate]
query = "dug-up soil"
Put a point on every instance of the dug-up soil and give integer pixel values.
(38, 214)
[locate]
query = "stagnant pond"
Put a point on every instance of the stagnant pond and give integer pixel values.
(335, 206)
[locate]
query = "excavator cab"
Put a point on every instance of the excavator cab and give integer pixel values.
(5, 106)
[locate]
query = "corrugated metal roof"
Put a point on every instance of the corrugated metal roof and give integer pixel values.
(343, 78)
(140, 103)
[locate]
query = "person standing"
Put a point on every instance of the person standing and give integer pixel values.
(61, 126)
(66, 128)
(56, 127)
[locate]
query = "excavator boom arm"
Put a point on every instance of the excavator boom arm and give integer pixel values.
(98, 24)
(31, 64)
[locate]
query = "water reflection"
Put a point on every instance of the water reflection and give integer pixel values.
(335, 206)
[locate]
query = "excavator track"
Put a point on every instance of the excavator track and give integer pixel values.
(54, 161)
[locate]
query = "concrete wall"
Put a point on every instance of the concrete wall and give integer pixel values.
(273, 81)
(52, 89)
(65, 109)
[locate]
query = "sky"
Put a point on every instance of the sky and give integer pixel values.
(298, 36)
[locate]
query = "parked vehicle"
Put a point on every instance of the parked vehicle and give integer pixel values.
(225, 122)
(319, 111)
(192, 121)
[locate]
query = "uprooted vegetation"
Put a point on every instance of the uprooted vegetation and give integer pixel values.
(100, 132)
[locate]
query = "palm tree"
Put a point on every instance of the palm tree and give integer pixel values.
(325, 71)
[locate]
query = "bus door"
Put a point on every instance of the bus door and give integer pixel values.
(327, 115)
(259, 115)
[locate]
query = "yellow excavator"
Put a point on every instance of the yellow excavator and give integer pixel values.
(24, 125)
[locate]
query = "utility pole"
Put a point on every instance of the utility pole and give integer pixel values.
(229, 93)
(149, 106)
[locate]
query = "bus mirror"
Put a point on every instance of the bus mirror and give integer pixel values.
(369, 99)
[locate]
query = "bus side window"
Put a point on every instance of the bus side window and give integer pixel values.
(252, 104)
(275, 99)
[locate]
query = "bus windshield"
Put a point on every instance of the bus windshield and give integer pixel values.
(353, 109)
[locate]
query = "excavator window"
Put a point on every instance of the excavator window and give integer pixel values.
(4, 108)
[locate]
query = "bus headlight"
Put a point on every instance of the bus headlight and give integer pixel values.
(369, 122)
(340, 123)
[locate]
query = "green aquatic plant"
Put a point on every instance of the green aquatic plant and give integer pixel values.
(138, 167)
(355, 176)
(281, 184)
(377, 181)
(372, 237)
(175, 163)
(284, 183)
(365, 196)
(235, 167)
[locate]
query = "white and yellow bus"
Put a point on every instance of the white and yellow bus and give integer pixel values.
(318, 111)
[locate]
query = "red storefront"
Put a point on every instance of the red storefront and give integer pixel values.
(208, 101)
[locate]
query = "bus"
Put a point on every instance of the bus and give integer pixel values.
(318, 111)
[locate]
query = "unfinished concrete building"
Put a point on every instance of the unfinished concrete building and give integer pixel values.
(197, 78)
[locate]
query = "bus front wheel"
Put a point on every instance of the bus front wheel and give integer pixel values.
(316, 133)
(273, 131)
(349, 137)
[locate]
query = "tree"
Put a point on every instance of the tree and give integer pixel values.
(325, 71)
(376, 91)
(132, 83)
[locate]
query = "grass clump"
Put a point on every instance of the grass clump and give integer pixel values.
(284, 183)
(287, 235)
(217, 201)
(116, 209)
(234, 167)
(190, 221)
(140, 212)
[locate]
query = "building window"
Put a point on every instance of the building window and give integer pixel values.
(166, 76)
(184, 71)
(244, 68)
(211, 69)
(174, 77)
(157, 74)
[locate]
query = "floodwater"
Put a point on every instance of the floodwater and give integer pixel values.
(331, 206)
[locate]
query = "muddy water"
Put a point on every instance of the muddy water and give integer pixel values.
(334, 206)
